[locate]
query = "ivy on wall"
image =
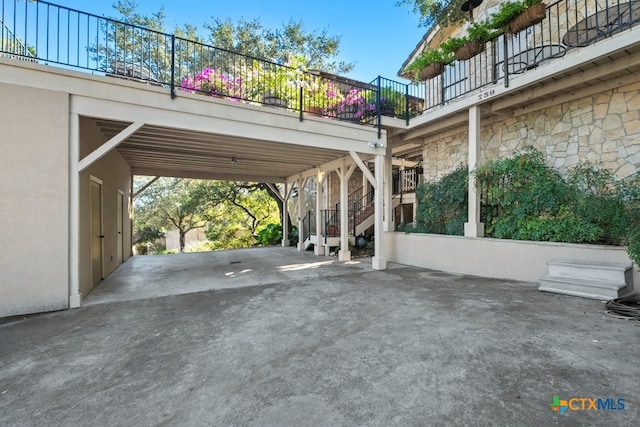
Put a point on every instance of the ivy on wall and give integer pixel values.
(525, 199)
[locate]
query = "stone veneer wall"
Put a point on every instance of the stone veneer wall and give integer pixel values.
(603, 128)
(355, 183)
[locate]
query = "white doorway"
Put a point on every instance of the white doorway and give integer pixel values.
(97, 238)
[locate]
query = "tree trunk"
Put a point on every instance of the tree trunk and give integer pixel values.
(281, 207)
(182, 239)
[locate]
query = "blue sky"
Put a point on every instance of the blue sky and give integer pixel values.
(376, 35)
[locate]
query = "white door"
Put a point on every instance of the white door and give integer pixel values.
(119, 222)
(96, 231)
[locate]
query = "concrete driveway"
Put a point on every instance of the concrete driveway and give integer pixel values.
(343, 346)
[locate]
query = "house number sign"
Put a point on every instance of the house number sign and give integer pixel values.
(487, 94)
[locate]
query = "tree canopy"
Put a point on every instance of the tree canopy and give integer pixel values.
(248, 37)
(184, 204)
(280, 45)
(232, 213)
(442, 12)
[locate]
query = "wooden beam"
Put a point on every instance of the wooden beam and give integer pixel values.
(365, 170)
(144, 187)
(105, 148)
(276, 191)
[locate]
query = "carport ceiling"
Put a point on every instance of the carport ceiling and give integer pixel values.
(163, 151)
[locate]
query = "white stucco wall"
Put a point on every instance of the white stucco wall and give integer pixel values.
(494, 258)
(34, 168)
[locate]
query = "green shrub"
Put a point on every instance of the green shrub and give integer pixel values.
(523, 188)
(532, 201)
(442, 205)
(634, 248)
(270, 235)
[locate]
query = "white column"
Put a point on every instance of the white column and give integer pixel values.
(301, 213)
(319, 247)
(386, 187)
(285, 218)
(345, 253)
(379, 262)
(474, 228)
(75, 297)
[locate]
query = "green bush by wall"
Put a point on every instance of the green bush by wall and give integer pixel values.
(525, 199)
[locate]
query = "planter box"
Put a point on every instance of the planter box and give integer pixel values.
(469, 50)
(533, 15)
(431, 71)
(317, 111)
(271, 99)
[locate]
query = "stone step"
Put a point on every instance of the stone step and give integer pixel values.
(589, 288)
(600, 271)
(589, 279)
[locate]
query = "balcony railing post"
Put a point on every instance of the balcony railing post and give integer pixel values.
(173, 66)
(378, 112)
(406, 103)
(505, 64)
(301, 103)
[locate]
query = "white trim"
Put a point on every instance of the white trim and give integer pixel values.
(105, 148)
(75, 297)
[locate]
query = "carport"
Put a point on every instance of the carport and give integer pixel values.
(193, 136)
(86, 136)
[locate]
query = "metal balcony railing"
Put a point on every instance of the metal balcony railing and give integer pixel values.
(45, 32)
(569, 24)
(58, 35)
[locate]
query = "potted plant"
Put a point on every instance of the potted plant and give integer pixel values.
(320, 96)
(478, 34)
(356, 105)
(391, 101)
(429, 64)
(515, 16)
(213, 82)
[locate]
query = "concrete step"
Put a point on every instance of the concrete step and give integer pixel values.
(600, 290)
(598, 280)
(607, 271)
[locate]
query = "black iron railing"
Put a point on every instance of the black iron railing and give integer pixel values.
(40, 31)
(569, 24)
(309, 225)
(58, 35)
(492, 189)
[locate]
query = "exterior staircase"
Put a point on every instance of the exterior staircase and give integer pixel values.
(361, 211)
(588, 279)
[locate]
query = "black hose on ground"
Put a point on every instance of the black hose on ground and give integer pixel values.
(624, 308)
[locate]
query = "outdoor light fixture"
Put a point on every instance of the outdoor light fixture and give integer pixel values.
(234, 161)
(376, 144)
